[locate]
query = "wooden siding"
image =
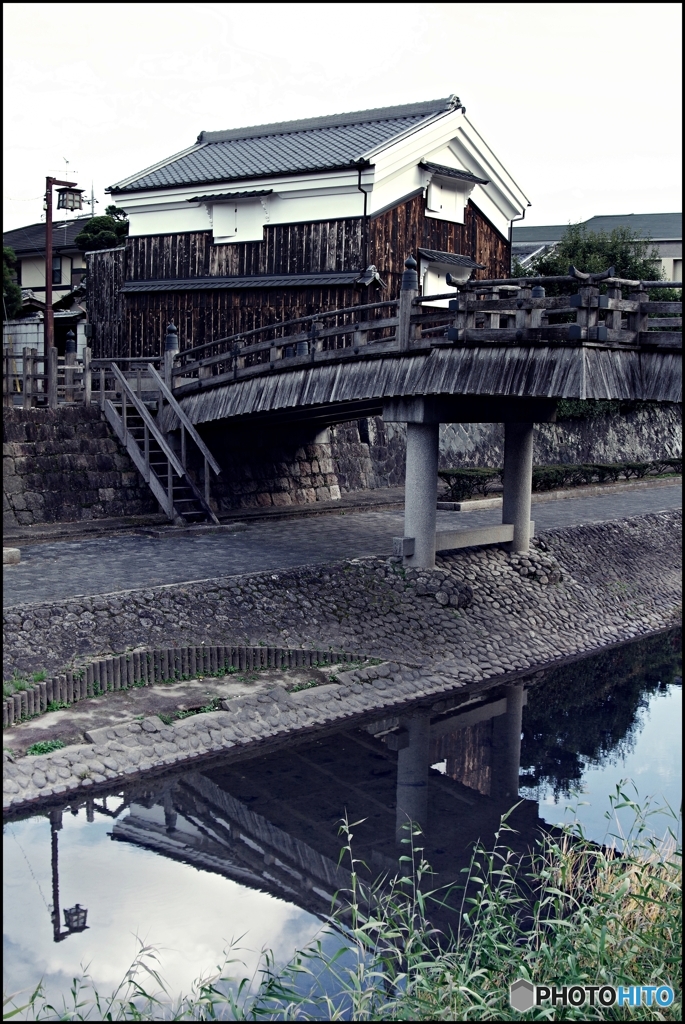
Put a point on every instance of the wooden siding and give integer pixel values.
(106, 303)
(205, 316)
(135, 324)
(312, 248)
(406, 228)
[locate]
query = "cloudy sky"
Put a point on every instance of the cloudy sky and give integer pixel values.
(581, 102)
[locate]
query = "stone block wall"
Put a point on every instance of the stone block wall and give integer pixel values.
(368, 453)
(67, 465)
(265, 466)
(643, 434)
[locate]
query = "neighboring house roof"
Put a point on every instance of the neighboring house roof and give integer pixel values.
(657, 226)
(452, 172)
(289, 147)
(538, 235)
(201, 284)
(451, 259)
(30, 240)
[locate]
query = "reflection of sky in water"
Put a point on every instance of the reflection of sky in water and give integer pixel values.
(652, 759)
(189, 915)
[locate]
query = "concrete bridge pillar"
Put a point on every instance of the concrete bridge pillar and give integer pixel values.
(421, 493)
(412, 776)
(506, 748)
(518, 481)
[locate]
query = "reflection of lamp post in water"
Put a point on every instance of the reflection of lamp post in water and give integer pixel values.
(74, 917)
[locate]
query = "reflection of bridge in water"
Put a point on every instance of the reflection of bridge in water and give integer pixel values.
(272, 823)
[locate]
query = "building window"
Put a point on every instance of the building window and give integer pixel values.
(56, 269)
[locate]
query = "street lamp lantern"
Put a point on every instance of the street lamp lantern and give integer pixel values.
(75, 918)
(70, 198)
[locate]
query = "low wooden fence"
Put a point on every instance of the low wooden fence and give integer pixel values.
(33, 381)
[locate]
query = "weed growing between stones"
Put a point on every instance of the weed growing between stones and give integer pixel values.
(305, 686)
(214, 705)
(572, 913)
(45, 746)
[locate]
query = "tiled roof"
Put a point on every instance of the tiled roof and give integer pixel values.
(289, 147)
(231, 195)
(450, 258)
(30, 240)
(452, 172)
(200, 284)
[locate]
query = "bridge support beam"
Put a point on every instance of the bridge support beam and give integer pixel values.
(412, 776)
(518, 481)
(421, 493)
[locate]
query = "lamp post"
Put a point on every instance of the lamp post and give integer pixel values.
(69, 199)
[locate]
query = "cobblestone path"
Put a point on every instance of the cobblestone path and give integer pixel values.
(102, 565)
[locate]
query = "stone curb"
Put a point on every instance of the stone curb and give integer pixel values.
(589, 490)
(143, 668)
(125, 751)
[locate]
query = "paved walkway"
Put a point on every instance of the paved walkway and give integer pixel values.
(102, 565)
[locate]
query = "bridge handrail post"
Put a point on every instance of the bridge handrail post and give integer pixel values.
(523, 309)
(409, 292)
(639, 320)
(69, 364)
(52, 377)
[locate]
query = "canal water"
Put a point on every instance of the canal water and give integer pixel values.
(246, 853)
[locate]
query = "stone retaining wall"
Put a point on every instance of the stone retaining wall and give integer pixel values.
(67, 464)
(64, 465)
(617, 579)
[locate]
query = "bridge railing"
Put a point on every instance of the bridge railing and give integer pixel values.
(106, 374)
(598, 309)
(520, 312)
(321, 336)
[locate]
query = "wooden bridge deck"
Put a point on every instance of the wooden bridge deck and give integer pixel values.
(344, 388)
(493, 342)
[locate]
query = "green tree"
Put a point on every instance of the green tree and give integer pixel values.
(11, 292)
(633, 256)
(105, 232)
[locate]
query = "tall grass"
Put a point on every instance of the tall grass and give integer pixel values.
(568, 913)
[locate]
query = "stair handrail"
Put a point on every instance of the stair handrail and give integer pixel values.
(184, 419)
(149, 422)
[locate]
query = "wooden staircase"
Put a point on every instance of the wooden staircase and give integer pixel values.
(161, 457)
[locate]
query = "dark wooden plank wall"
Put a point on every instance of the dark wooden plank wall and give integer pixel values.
(405, 228)
(135, 324)
(106, 303)
(313, 248)
(206, 316)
